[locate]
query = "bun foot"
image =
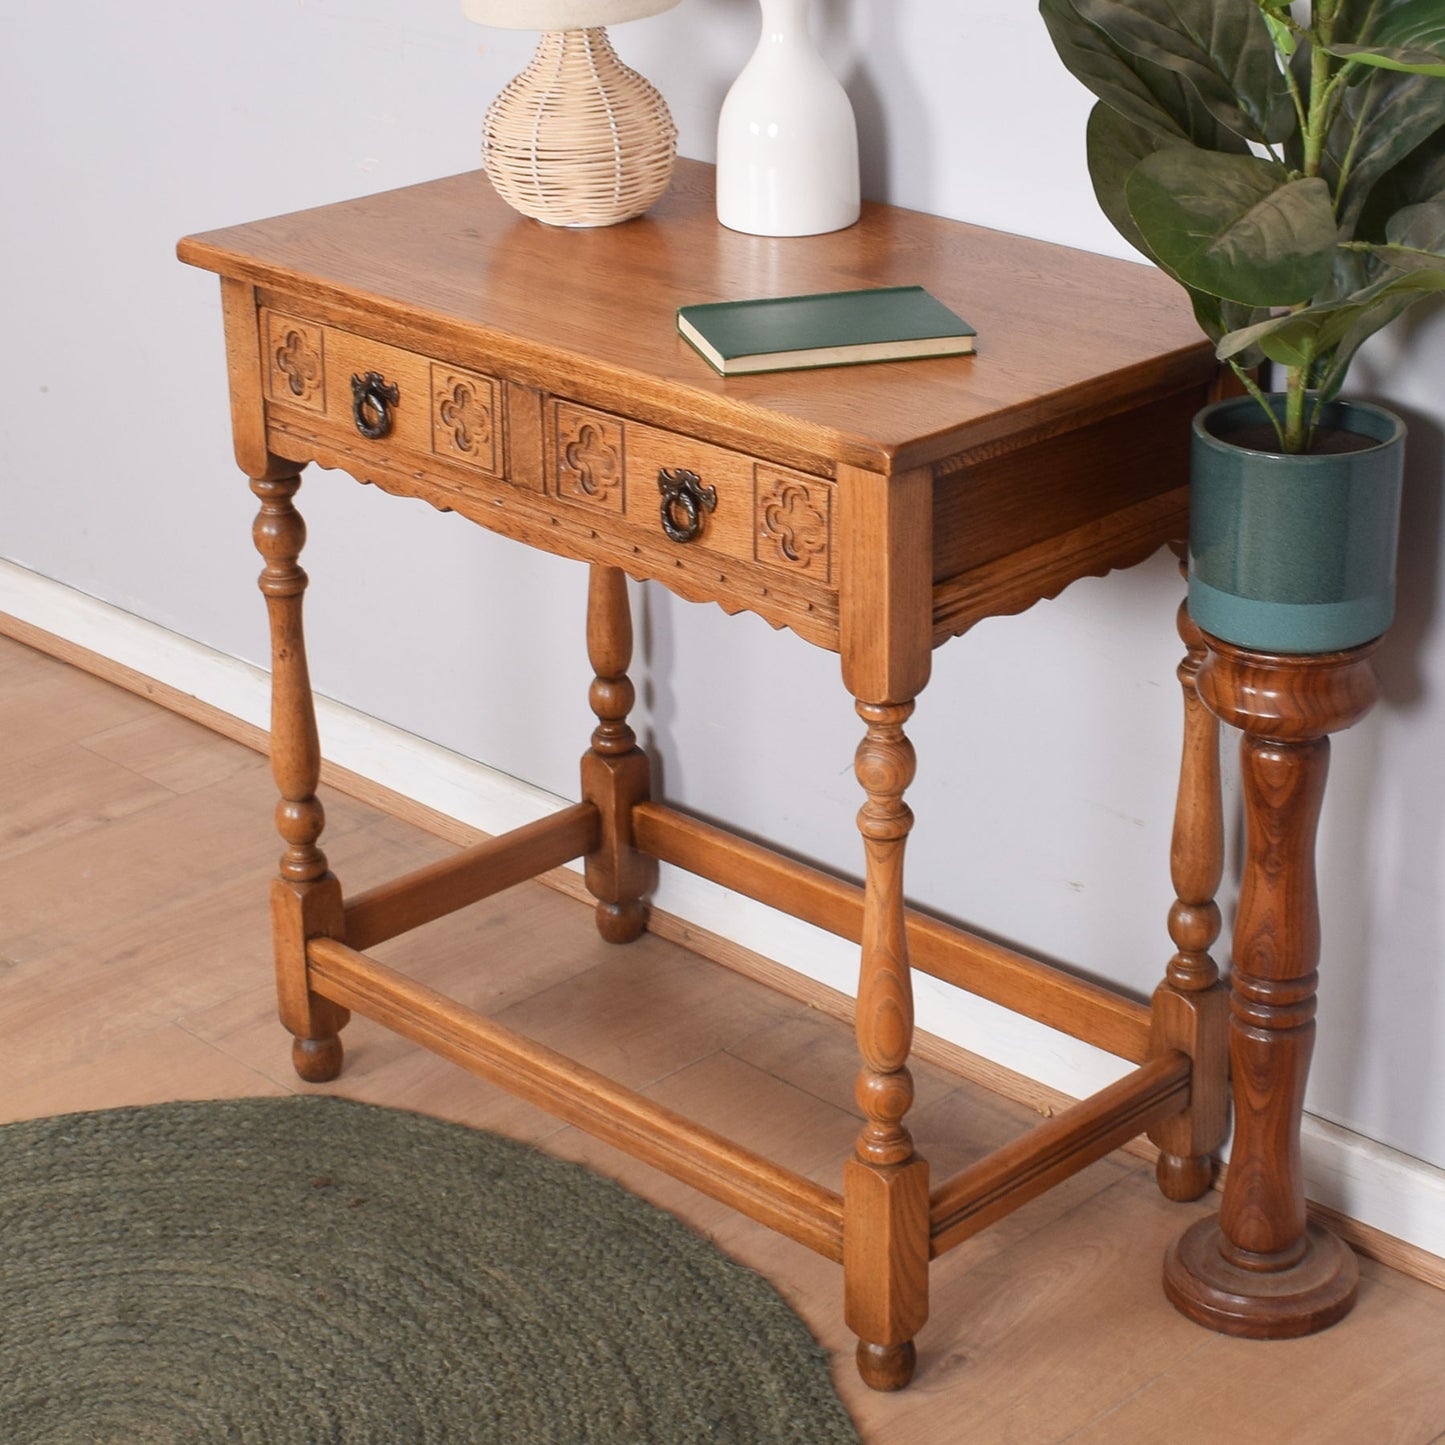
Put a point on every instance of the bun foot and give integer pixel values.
(886, 1367)
(621, 922)
(1183, 1177)
(1203, 1282)
(318, 1061)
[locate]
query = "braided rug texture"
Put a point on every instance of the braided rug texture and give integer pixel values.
(309, 1270)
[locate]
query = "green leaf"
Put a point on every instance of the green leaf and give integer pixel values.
(1418, 177)
(1380, 124)
(1410, 62)
(1217, 319)
(1407, 36)
(1335, 330)
(1147, 96)
(1385, 22)
(1420, 229)
(1276, 18)
(1373, 318)
(1235, 226)
(1415, 239)
(1284, 339)
(1222, 48)
(1090, 58)
(1115, 146)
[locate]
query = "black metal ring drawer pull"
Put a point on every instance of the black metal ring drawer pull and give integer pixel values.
(372, 398)
(684, 499)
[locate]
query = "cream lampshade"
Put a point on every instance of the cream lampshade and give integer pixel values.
(577, 139)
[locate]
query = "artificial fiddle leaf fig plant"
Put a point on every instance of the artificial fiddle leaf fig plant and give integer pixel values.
(1284, 162)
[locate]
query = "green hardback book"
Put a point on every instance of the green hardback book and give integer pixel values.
(836, 328)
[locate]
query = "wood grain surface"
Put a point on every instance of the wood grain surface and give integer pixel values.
(1062, 335)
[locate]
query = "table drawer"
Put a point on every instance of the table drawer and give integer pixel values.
(678, 492)
(709, 523)
(355, 390)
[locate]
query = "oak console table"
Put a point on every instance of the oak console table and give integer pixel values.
(432, 342)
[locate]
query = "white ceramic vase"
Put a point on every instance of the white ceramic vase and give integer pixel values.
(787, 142)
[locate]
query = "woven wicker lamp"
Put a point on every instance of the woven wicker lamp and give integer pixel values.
(577, 139)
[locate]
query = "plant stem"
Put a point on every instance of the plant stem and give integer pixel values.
(1319, 117)
(1317, 127)
(1256, 391)
(1296, 389)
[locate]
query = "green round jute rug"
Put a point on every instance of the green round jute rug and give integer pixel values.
(314, 1270)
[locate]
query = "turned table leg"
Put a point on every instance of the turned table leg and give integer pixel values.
(885, 1185)
(885, 620)
(1261, 1269)
(1190, 1009)
(615, 771)
(305, 896)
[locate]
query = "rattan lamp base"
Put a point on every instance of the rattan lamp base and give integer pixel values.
(579, 139)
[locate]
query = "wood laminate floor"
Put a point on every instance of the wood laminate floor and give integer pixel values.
(135, 849)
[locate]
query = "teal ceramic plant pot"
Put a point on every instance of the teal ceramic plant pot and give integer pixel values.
(1294, 553)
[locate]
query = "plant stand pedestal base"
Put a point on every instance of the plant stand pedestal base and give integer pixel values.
(1260, 1270)
(1313, 1292)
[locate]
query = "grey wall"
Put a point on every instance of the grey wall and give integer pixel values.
(1047, 742)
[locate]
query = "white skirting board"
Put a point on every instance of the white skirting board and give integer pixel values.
(1347, 1172)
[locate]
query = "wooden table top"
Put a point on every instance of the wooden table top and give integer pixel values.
(1064, 335)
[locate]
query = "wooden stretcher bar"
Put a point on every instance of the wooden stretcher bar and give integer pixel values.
(470, 875)
(778, 1197)
(1050, 996)
(1049, 1153)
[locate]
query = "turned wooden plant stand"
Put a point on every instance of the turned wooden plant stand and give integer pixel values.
(432, 342)
(1261, 1269)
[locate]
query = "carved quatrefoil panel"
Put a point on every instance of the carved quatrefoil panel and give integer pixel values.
(463, 417)
(794, 522)
(295, 362)
(591, 457)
